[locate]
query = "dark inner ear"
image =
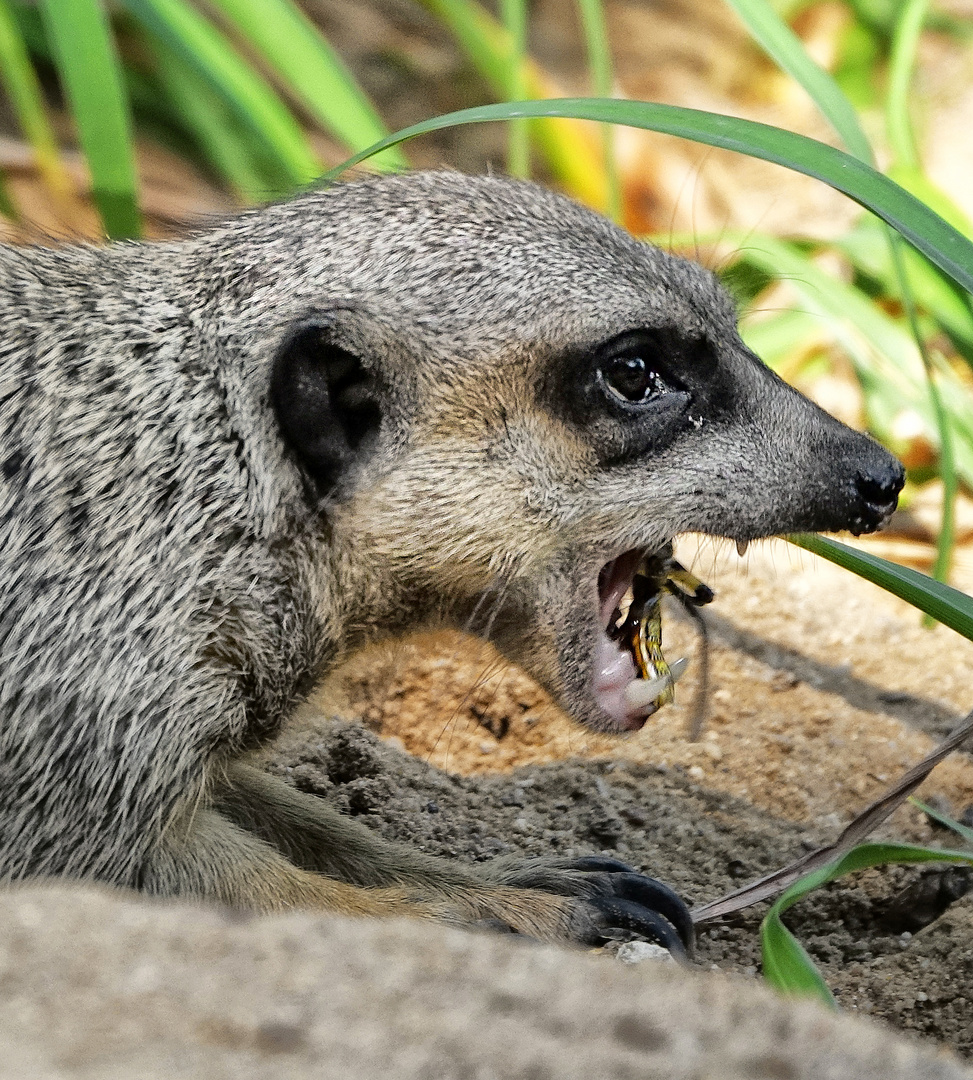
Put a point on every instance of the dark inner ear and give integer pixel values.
(326, 403)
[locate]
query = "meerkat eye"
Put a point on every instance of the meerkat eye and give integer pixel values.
(630, 377)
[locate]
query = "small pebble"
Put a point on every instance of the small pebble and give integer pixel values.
(634, 952)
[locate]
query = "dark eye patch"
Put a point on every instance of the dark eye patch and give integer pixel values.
(633, 394)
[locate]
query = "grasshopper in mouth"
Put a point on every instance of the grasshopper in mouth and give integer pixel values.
(658, 574)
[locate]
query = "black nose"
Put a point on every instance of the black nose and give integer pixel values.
(878, 489)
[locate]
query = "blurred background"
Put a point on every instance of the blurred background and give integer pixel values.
(144, 116)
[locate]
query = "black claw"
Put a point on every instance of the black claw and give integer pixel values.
(624, 899)
(656, 896)
(625, 915)
(600, 864)
(624, 882)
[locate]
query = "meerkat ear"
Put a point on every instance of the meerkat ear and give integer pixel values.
(326, 403)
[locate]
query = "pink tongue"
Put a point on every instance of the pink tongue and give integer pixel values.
(613, 671)
(613, 667)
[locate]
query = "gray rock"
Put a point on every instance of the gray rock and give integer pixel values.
(100, 985)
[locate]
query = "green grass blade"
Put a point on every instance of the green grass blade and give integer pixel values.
(868, 249)
(514, 15)
(947, 461)
(602, 84)
(572, 156)
(944, 245)
(899, 125)
(945, 604)
(886, 358)
(786, 48)
(7, 208)
(865, 857)
(212, 56)
(944, 819)
(777, 39)
(88, 66)
(786, 964)
(206, 116)
(905, 44)
(306, 63)
(916, 181)
(896, 358)
(18, 78)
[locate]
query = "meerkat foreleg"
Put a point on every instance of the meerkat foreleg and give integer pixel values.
(551, 899)
(316, 837)
(206, 856)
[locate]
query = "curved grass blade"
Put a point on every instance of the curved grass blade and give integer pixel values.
(786, 965)
(916, 181)
(18, 78)
(304, 60)
(866, 246)
(925, 230)
(947, 458)
(852, 835)
(787, 49)
(905, 42)
(891, 367)
(87, 63)
(945, 604)
(212, 56)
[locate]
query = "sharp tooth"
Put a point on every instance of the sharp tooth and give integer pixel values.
(742, 546)
(643, 692)
(678, 668)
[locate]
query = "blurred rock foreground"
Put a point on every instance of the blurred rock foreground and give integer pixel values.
(98, 986)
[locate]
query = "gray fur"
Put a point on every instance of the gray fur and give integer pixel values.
(172, 588)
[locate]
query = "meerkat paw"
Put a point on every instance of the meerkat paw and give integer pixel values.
(601, 899)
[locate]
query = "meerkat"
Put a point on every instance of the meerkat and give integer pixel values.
(423, 399)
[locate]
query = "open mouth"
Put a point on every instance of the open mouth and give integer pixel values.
(632, 678)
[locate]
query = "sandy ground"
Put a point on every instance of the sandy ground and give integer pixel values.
(824, 689)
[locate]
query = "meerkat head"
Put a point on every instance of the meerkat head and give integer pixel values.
(501, 403)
